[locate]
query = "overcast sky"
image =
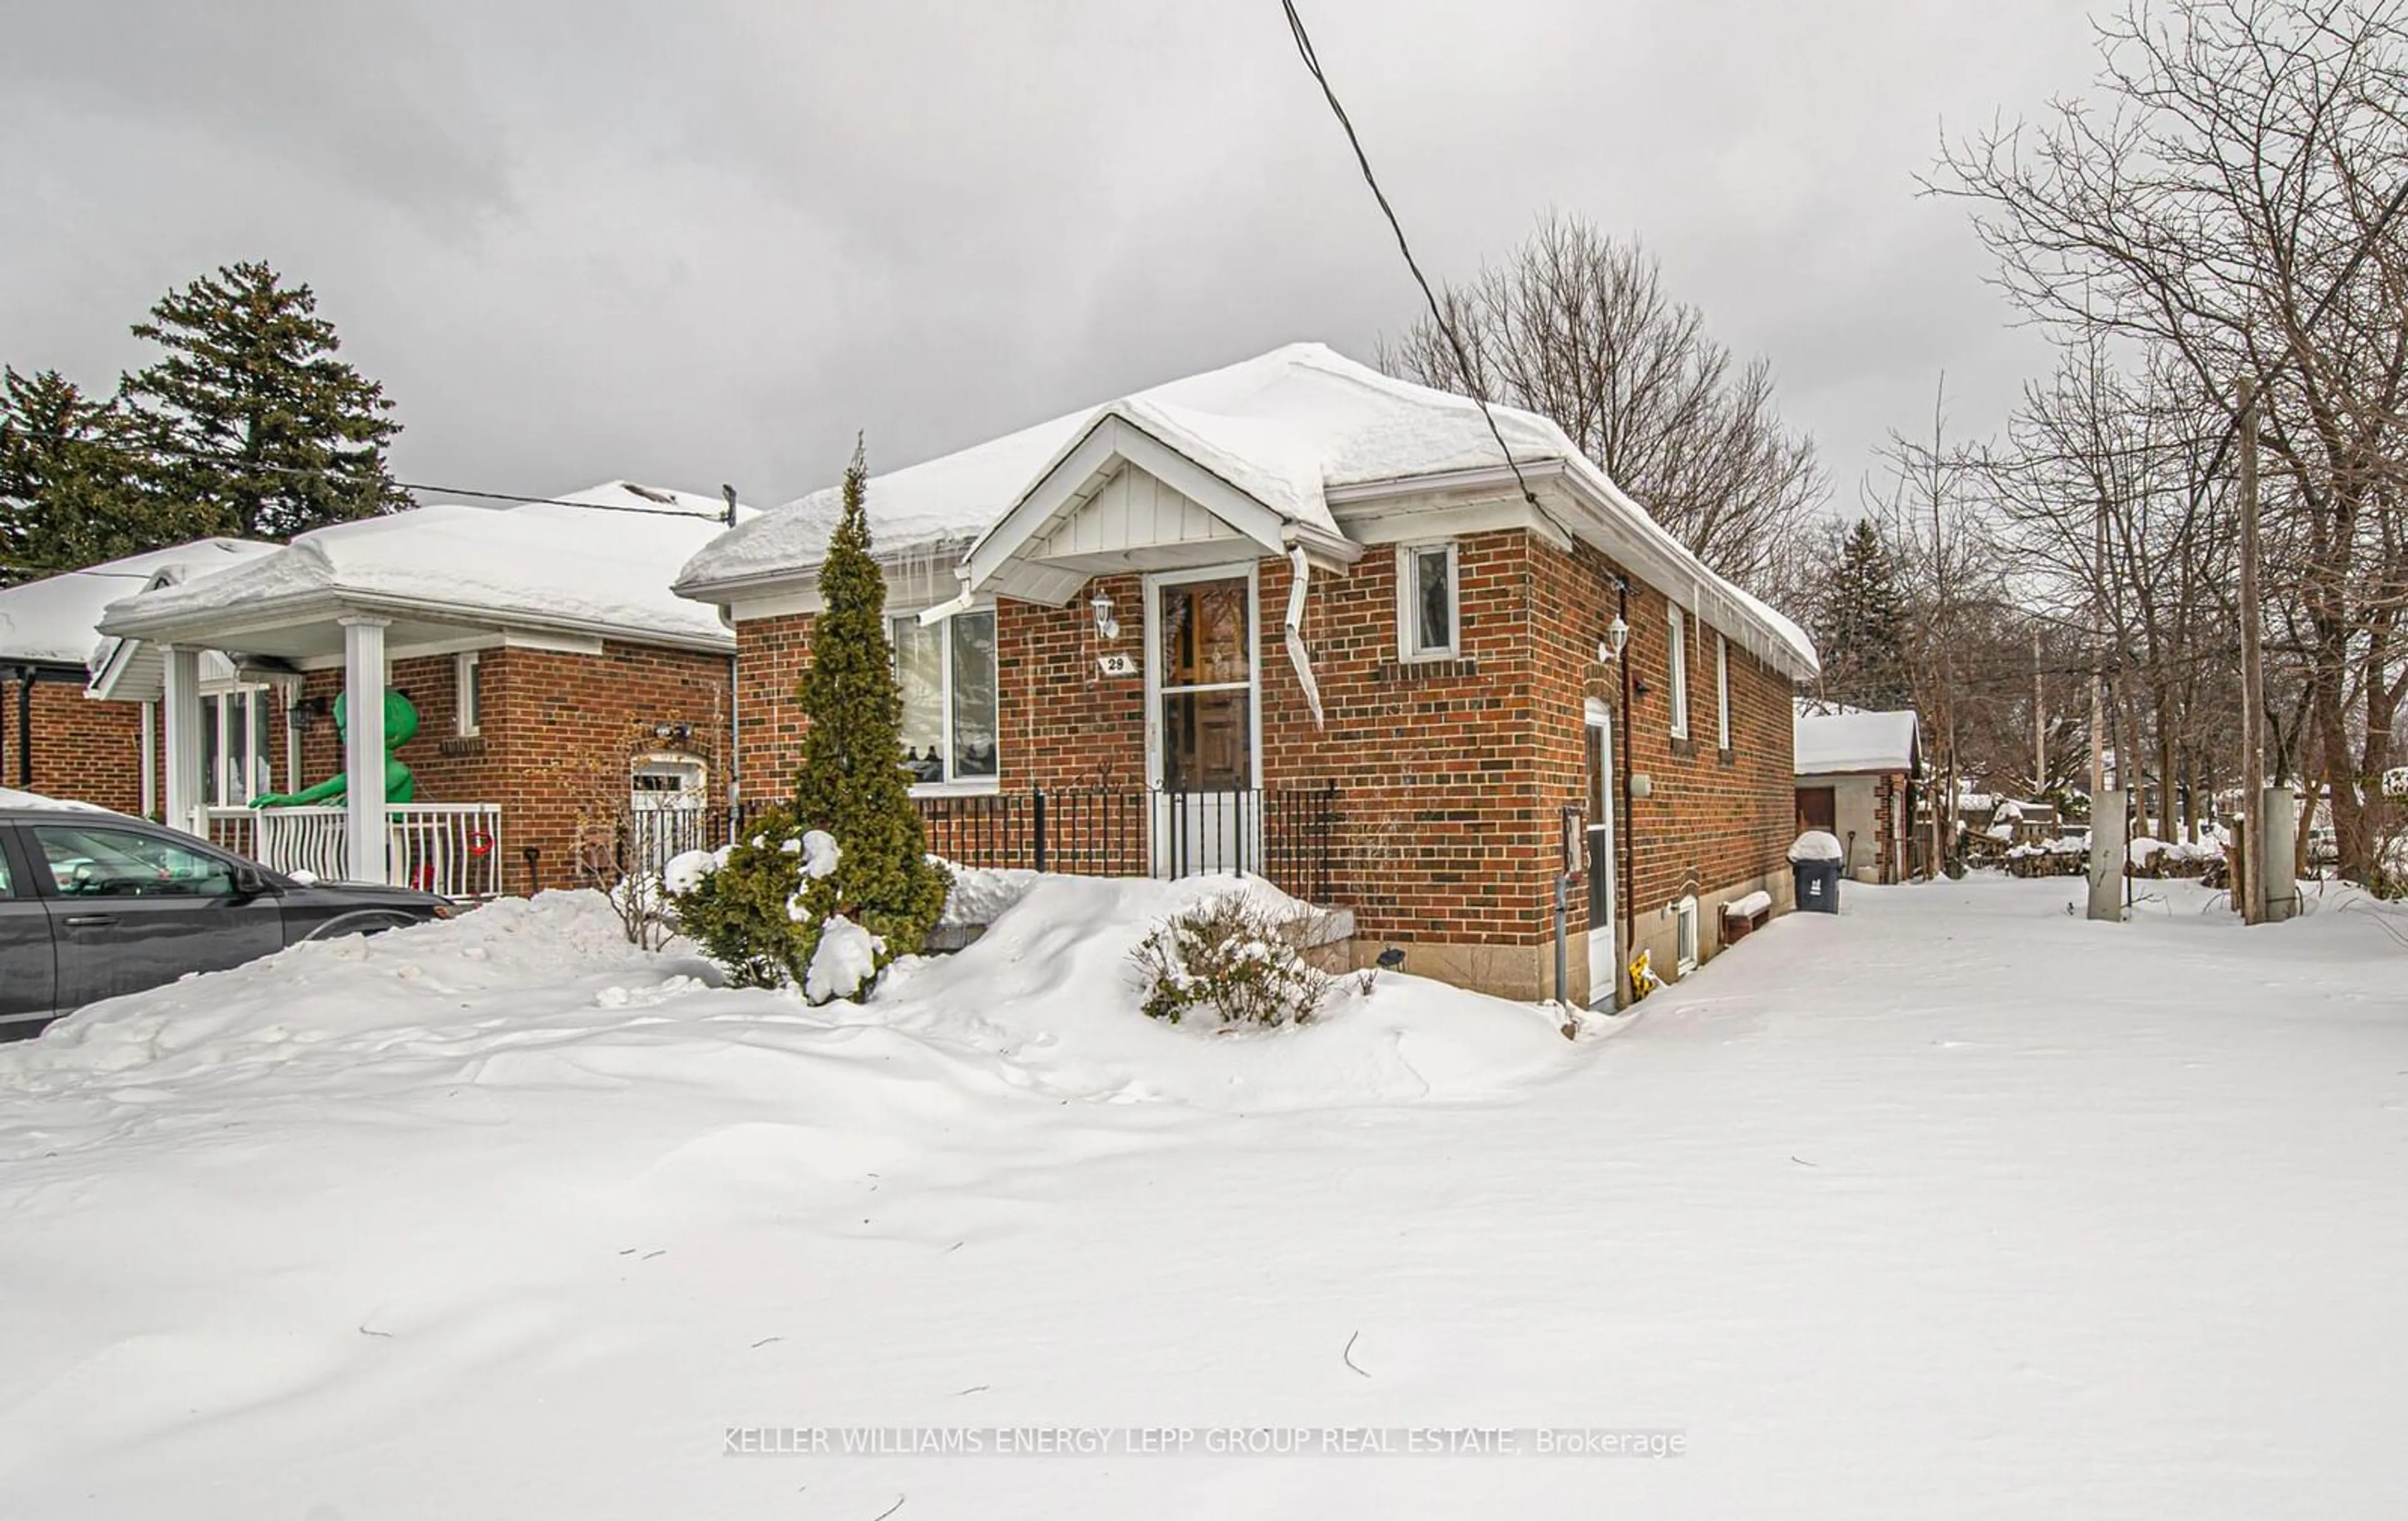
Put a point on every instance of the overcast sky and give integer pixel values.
(702, 242)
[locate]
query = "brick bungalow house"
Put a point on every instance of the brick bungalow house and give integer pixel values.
(1297, 616)
(1857, 775)
(55, 742)
(564, 700)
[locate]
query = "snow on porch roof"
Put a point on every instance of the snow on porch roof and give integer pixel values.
(1852, 740)
(540, 565)
(57, 620)
(1283, 427)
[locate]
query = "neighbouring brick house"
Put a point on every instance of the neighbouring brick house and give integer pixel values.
(567, 707)
(1857, 776)
(55, 739)
(1477, 685)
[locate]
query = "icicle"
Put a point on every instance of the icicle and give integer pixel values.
(1295, 653)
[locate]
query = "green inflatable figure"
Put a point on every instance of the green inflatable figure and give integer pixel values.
(400, 725)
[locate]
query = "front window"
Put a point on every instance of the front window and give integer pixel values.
(85, 861)
(946, 674)
(1428, 608)
(235, 765)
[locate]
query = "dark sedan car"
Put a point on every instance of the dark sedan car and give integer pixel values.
(93, 904)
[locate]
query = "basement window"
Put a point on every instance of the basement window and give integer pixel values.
(946, 674)
(1428, 605)
(1684, 935)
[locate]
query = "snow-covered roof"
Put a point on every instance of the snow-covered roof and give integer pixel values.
(57, 620)
(1285, 429)
(559, 565)
(1833, 742)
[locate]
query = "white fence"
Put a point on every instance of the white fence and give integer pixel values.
(451, 849)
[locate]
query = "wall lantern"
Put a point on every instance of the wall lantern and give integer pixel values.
(1108, 628)
(304, 712)
(673, 732)
(1617, 637)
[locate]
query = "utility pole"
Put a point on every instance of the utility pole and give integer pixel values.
(2252, 885)
(2040, 723)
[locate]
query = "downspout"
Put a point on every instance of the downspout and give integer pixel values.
(1296, 654)
(1626, 825)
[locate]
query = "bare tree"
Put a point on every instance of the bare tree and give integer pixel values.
(1934, 515)
(2107, 486)
(2234, 210)
(1577, 325)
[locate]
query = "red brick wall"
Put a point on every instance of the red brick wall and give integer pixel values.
(557, 734)
(1717, 823)
(1450, 775)
(89, 751)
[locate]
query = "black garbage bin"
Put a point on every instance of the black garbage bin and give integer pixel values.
(1814, 860)
(1818, 885)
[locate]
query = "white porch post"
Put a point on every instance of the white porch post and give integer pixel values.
(363, 747)
(183, 694)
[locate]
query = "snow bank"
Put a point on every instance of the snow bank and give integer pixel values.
(1047, 1000)
(980, 894)
(1050, 989)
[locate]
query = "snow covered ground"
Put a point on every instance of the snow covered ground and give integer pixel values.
(1950, 1206)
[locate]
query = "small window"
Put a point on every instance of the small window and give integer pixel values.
(1722, 692)
(470, 695)
(89, 862)
(1677, 673)
(1684, 935)
(946, 674)
(1428, 609)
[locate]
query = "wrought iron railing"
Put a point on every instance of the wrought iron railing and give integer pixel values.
(450, 849)
(1289, 835)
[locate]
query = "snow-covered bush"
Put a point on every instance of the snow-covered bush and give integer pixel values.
(1240, 959)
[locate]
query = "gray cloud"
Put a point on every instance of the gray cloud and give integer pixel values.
(711, 241)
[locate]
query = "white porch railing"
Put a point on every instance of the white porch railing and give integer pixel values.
(451, 849)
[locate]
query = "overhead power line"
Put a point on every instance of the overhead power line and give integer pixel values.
(1462, 357)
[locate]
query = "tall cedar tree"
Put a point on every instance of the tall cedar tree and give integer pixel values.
(67, 499)
(853, 783)
(757, 914)
(1864, 633)
(249, 419)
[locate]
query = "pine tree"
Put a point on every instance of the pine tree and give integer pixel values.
(1863, 638)
(68, 498)
(762, 914)
(249, 419)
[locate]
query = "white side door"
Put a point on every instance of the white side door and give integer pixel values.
(1604, 972)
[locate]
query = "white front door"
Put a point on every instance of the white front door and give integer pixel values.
(1203, 727)
(1602, 970)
